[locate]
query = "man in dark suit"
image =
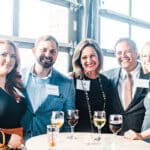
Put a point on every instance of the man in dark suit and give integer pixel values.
(133, 113)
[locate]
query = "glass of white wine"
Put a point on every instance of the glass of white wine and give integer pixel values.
(99, 119)
(57, 118)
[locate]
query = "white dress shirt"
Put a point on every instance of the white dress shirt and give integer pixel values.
(135, 74)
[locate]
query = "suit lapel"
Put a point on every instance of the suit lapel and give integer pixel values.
(139, 91)
(116, 78)
(116, 82)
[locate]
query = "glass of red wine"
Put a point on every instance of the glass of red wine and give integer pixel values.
(115, 123)
(72, 117)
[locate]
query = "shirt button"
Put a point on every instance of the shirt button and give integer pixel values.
(29, 131)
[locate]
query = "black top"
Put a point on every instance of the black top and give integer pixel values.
(96, 101)
(11, 112)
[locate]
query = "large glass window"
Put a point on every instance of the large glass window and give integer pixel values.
(26, 57)
(111, 31)
(140, 35)
(61, 64)
(6, 17)
(141, 9)
(108, 61)
(38, 18)
(121, 6)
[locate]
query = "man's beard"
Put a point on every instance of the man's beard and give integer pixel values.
(45, 62)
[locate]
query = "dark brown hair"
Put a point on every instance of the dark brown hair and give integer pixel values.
(13, 78)
(46, 38)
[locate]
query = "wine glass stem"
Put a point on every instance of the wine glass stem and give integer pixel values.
(72, 131)
(113, 144)
(99, 133)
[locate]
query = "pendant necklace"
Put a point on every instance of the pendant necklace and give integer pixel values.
(88, 100)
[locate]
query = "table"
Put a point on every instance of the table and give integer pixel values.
(83, 142)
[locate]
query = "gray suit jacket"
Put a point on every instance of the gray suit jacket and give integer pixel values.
(134, 114)
(34, 123)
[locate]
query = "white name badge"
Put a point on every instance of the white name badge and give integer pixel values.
(83, 85)
(142, 83)
(52, 89)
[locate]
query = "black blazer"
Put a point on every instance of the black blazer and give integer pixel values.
(133, 116)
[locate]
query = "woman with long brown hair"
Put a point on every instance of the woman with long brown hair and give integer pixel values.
(12, 104)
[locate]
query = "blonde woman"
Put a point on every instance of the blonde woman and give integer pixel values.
(145, 134)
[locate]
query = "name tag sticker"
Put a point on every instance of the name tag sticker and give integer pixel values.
(142, 83)
(83, 85)
(52, 90)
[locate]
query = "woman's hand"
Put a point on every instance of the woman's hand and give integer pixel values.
(15, 141)
(130, 134)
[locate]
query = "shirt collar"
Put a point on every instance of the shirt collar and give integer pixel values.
(34, 75)
(134, 73)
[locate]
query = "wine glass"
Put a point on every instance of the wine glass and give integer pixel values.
(115, 123)
(57, 118)
(72, 117)
(99, 119)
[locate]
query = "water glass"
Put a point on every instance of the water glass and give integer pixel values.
(52, 135)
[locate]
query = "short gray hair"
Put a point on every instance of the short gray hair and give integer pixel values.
(129, 41)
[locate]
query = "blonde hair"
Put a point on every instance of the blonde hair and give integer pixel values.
(147, 44)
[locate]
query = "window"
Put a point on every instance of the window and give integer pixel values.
(111, 31)
(39, 18)
(61, 64)
(26, 57)
(140, 36)
(108, 61)
(141, 9)
(6, 17)
(121, 6)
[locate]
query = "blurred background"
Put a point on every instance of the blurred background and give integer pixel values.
(70, 21)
